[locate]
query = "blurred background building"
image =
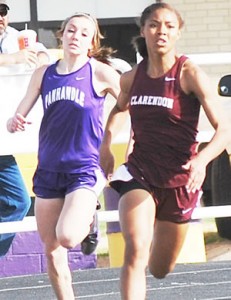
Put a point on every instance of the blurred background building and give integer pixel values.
(207, 22)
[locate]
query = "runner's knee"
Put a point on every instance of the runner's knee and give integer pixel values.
(136, 250)
(160, 271)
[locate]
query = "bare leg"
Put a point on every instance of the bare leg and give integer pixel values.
(59, 273)
(137, 212)
(47, 212)
(76, 217)
(167, 243)
(63, 224)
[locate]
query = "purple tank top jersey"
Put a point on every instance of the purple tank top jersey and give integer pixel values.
(164, 121)
(72, 126)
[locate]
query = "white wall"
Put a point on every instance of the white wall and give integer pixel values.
(120, 8)
(99, 8)
(19, 10)
(13, 85)
(52, 10)
(59, 10)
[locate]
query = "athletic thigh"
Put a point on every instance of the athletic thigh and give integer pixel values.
(47, 213)
(137, 214)
(168, 239)
(77, 215)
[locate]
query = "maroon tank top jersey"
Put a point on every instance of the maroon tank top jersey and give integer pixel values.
(164, 121)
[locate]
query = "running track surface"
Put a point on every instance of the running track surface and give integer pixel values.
(202, 281)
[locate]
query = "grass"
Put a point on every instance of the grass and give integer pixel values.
(210, 232)
(212, 237)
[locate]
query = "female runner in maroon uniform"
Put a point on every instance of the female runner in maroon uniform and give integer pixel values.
(160, 183)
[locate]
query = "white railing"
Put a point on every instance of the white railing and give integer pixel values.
(217, 58)
(29, 223)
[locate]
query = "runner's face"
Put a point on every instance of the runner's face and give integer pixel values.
(78, 35)
(161, 31)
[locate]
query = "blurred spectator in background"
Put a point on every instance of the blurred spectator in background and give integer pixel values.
(14, 199)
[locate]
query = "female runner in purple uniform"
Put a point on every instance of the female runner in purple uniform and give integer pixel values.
(68, 178)
(160, 184)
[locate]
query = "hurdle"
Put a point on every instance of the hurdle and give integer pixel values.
(29, 223)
